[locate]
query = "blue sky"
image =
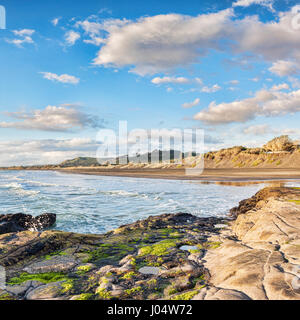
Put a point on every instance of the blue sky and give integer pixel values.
(70, 68)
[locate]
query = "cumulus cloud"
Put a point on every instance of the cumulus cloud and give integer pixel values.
(39, 152)
(263, 129)
(52, 118)
(164, 80)
(25, 36)
(282, 86)
(165, 42)
(247, 3)
(24, 32)
(191, 104)
(212, 89)
(285, 68)
(264, 103)
(258, 130)
(71, 37)
(64, 78)
(162, 42)
(55, 21)
(253, 35)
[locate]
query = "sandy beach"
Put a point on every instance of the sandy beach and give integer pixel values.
(247, 174)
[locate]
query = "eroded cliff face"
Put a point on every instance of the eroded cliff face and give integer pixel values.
(239, 157)
(253, 255)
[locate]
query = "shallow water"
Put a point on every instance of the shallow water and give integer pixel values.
(95, 204)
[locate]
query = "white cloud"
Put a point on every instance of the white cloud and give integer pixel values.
(238, 111)
(284, 68)
(258, 130)
(191, 104)
(247, 3)
(252, 35)
(39, 152)
(264, 103)
(199, 81)
(55, 21)
(282, 86)
(24, 32)
(212, 89)
(25, 36)
(234, 82)
(71, 37)
(162, 42)
(263, 129)
(97, 41)
(163, 80)
(64, 78)
(52, 118)
(295, 82)
(94, 29)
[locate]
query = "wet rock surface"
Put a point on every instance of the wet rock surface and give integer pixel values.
(254, 257)
(21, 222)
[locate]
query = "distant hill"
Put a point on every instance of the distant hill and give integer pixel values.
(280, 152)
(155, 157)
(80, 162)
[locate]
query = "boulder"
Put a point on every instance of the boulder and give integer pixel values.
(21, 222)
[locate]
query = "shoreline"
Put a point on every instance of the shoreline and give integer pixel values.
(213, 175)
(208, 175)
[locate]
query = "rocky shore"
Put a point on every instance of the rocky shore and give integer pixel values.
(254, 254)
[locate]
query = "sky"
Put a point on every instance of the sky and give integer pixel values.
(71, 68)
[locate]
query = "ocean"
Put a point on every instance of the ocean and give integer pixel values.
(95, 204)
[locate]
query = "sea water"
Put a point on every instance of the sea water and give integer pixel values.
(97, 204)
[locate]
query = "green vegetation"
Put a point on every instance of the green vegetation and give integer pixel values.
(53, 254)
(129, 275)
(84, 296)
(171, 291)
(158, 249)
(5, 296)
(134, 290)
(295, 201)
(103, 293)
(67, 286)
(257, 162)
(114, 251)
(83, 269)
(41, 277)
(80, 162)
(185, 296)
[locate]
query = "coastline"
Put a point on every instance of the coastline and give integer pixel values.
(207, 175)
(250, 256)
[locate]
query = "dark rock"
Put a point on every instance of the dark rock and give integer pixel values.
(262, 195)
(22, 222)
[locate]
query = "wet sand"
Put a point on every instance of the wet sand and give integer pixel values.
(251, 174)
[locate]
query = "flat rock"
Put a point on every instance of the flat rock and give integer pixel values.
(45, 292)
(149, 270)
(56, 264)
